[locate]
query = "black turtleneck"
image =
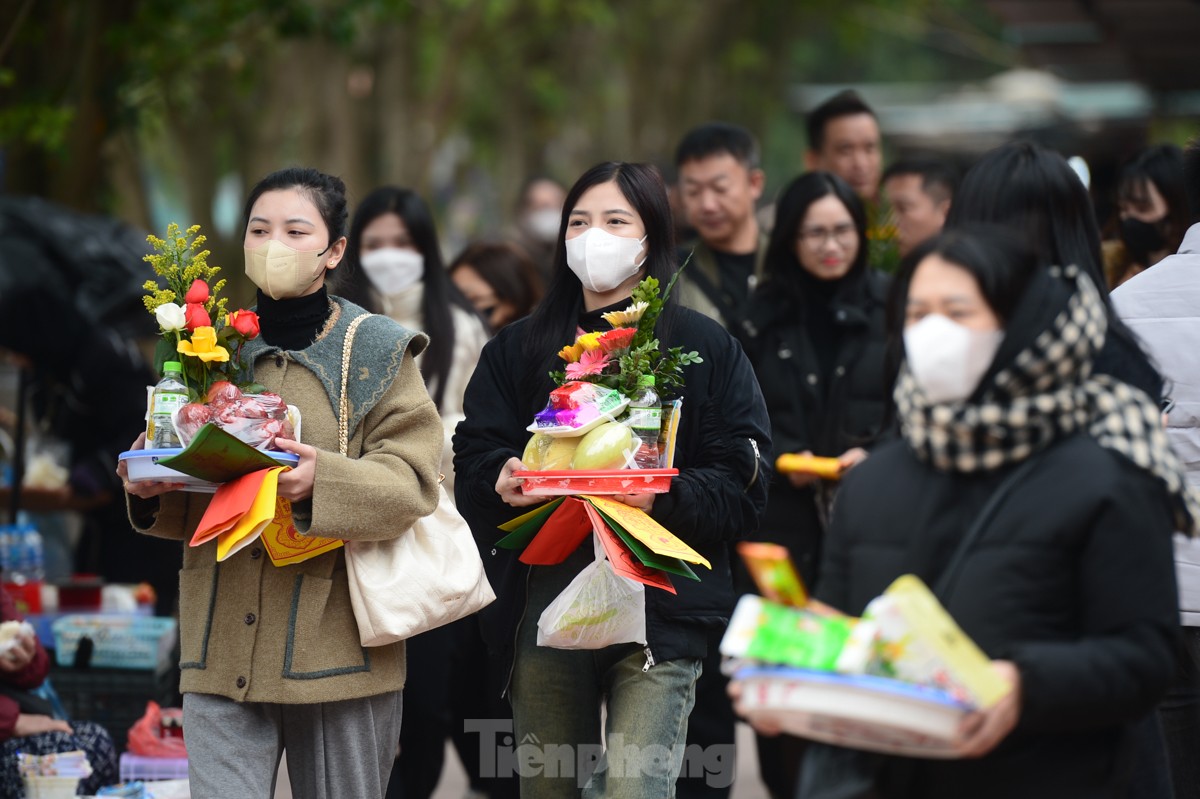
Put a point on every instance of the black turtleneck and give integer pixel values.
(592, 321)
(294, 323)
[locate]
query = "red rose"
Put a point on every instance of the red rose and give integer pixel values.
(244, 322)
(618, 338)
(197, 294)
(195, 316)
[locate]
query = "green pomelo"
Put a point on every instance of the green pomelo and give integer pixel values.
(546, 453)
(605, 447)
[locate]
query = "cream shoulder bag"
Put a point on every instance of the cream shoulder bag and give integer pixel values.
(429, 576)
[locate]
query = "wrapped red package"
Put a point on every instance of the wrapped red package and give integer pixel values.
(191, 418)
(222, 392)
(571, 395)
(257, 419)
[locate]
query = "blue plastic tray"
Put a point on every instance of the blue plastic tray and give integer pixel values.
(143, 466)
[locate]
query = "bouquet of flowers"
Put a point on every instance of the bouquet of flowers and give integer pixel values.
(208, 340)
(619, 358)
(588, 422)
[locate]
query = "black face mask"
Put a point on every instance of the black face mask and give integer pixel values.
(1142, 238)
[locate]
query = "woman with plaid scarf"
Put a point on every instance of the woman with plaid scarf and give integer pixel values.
(1069, 585)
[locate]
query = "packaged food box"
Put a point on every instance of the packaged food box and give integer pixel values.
(918, 642)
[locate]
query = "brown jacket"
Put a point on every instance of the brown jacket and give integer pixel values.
(255, 632)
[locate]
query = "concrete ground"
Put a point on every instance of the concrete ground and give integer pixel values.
(454, 780)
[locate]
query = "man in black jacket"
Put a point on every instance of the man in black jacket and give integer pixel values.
(719, 184)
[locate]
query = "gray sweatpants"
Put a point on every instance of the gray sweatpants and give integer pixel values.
(335, 750)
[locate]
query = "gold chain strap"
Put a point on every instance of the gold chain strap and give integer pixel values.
(344, 402)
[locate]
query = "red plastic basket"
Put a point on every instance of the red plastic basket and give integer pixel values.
(567, 482)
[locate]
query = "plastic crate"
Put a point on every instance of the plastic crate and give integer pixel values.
(137, 767)
(120, 642)
(113, 698)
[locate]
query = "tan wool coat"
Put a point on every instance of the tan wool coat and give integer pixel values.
(255, 632)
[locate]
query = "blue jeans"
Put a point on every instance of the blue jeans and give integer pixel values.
(557, 695)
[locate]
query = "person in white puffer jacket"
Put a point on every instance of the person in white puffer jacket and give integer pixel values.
(1162, 307)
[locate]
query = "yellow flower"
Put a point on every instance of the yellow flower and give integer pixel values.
(571, 353)
(204, 346)
(589, 341)
(626, 318)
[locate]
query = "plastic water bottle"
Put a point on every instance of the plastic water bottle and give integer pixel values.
(7, 550)
(33, 559)
(169, 394)
(645, 419)
(21, 554)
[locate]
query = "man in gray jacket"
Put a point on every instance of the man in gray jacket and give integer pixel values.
(1162, 307)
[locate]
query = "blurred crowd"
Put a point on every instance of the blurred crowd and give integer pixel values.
(826, 288)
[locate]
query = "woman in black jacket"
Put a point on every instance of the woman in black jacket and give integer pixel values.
(815, 336)
(722, 455)
(1070, 586)
(818, 350)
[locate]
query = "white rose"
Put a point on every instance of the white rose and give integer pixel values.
(170, 317)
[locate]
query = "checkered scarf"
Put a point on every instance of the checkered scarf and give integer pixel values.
(1045, 394)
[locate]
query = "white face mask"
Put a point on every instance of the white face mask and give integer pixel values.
(282, 272)
(946, 359)
(603, 261)
(543, 223)
(392, 270)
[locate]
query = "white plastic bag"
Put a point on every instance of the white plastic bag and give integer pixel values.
(597, 609)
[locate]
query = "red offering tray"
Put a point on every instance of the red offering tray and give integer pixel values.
(569, 482)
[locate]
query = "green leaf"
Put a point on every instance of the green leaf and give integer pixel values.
(164, 351)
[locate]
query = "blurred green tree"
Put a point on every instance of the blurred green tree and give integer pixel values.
(104, 104)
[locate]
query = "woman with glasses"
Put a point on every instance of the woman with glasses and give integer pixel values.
(817, 346)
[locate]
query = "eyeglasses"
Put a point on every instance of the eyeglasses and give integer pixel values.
(816, 238)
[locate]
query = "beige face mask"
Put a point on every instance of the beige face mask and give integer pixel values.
(282, 272)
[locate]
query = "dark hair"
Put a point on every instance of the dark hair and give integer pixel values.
(328, 194)
(718, 138)
(843, 104)
(1161, 165)
(528, 184)
(1001, 264)
(1032, 190)
(552, 324)
(439, 294)
(781, 263)
(1034, 193)
(507, 269)
(939, 179)
(1191, 176)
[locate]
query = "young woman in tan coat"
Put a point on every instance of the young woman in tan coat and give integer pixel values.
(270, 654)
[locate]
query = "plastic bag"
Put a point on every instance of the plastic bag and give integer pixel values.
(146, 738)
(597, 609)
(257, 419)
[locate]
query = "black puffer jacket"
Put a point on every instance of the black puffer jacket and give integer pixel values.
(1072, 580)
(723, 457)
(827, 414)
